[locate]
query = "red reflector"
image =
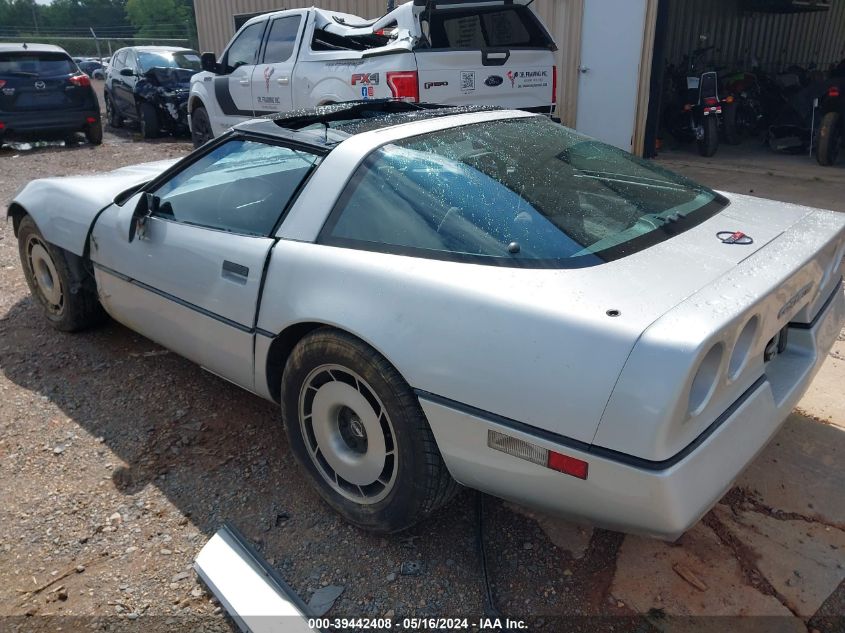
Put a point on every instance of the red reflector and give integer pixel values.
(404, 85)
(554, 84)
(91, 119)
(833, 91)
(568, 465)
(2, 82)
(80, 80)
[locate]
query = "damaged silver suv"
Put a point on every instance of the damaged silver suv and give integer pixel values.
(149, 85)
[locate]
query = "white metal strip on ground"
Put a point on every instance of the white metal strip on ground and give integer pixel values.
(251, 592)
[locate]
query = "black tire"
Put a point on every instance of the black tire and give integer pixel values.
(733, 133)
(149, 120)
(709, 143)
(830, 139)
(94, 133)
(112, 114)
(78, 307)
(201, 131)
(419, 482)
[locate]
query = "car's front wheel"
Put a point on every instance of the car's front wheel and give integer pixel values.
(357, 429)
(67, 299)
(149, 120)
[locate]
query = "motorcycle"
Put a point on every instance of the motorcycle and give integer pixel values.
(694, 108)
(743, 112)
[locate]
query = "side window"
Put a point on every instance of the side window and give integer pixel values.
(244, 48)
(281, 40)
(241, 186)
(119, 58)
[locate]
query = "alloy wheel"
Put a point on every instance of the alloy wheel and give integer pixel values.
(348, 434)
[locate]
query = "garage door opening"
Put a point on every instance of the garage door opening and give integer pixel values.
(748, 79)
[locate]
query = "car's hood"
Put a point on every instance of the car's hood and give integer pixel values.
(64, 207)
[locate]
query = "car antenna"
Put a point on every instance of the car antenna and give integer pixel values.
(25, 47)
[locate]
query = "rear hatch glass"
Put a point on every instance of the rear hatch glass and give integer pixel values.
(38, 81)
(487, 55)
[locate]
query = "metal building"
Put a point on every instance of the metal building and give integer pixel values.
(611, 53)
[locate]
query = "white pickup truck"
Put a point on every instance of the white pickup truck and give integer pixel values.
(480, 52)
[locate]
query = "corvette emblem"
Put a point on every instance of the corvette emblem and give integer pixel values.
(734, 237)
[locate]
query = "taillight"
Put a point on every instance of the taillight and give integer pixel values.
(833, 91)
(2, 125)
(2, 82)
(711, 101)
(80, 80)
(404, 85)
(537, 454)
(554, 84)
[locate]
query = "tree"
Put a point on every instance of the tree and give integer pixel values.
(162, 18)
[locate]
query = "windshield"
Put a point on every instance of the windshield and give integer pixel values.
(523, 191)
(189, 60)
(36, 64)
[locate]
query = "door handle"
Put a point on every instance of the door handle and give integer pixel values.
(234, 272)
(244, 82)
(583, 70)
(283, 81)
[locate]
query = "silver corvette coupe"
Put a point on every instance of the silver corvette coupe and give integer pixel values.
(439, 296)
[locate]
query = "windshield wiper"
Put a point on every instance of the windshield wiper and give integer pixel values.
(23, 73)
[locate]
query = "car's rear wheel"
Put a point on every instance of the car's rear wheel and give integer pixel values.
(149, 120)
(112, 114)
(94, 133)
(68, 301)
(201, 131)
(358, 431)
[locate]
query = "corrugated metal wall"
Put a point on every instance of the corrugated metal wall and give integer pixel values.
(775, 40)
(215, 27)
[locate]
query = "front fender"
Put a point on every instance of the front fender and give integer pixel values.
(64, 208)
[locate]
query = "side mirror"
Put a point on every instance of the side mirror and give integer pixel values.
(208, 61)
(127, 72)
(147, 205)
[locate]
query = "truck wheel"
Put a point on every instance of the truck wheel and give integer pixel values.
(112, 114)
(68, 299)
(360, 435)
(733, 134)
(149, 120)
(830, 139)
(709, 142)
(200, 126)
(94, 133)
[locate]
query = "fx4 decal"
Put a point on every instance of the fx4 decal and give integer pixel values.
(367, 79)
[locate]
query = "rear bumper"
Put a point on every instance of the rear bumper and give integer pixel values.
(45, 122)
(650, 498)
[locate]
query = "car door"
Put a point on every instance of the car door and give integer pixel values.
(191, 277)
(271, 82)
(233, 87)
(116, 81)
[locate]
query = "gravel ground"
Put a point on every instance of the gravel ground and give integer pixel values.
(118, 460)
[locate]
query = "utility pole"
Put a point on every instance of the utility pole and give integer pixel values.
(35, 19)
(97, 41)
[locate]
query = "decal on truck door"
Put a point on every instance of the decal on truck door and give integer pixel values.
(227, 104)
